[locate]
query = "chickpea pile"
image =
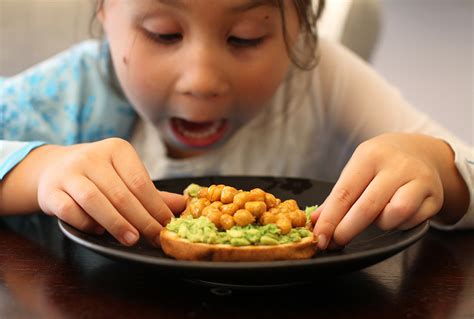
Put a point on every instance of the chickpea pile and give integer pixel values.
(226, 206)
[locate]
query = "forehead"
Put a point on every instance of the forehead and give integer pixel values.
(232, 2)
(230, 5)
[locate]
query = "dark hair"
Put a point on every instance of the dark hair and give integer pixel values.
(306, 58)
(303, 57)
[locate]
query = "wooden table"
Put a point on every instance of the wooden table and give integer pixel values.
(45, 275)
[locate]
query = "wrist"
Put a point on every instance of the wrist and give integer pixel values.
(19, 188)
(455, 189)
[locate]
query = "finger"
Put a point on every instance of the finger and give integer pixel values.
(125, 202)
(428, 209)
(315, 215)
(136, 178)
(406, 201)
(91, 200)
(175, 202)
(353, 180)
(366, 209)
(65, 208)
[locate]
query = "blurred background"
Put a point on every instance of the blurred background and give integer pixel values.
(426, 49)
(423, 47)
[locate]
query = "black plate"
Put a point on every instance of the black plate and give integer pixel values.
(368, 248)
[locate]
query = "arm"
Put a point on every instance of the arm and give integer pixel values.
(20, 198)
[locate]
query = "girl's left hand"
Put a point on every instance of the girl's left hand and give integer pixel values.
(390, 180)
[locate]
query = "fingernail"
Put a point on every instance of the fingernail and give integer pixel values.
(130, 238)
(322, 242)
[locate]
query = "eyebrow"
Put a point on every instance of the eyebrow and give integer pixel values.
(253, 4)
(246, 6)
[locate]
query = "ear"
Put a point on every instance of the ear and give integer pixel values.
(100, 11)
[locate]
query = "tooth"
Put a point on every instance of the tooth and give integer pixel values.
(212, 129)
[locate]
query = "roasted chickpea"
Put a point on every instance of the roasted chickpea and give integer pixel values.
(217, 204)
(241, 198)
(214, 193)
(257, 194)
(215, 217)
(291, 204)
(284, 208)
(203, 192)
(229, 209)
(227, 195)
(298, 218)
(274, 211)
(196, 206)
(186, 213)
(210, 191)
(207, 210)
(257, 208)
(194, 209)
(284, 223)
(243, 217)
(282, 215)
(270, 200)
(267, 218)
(204, 202)
(227, 221)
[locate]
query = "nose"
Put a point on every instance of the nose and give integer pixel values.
(203, 73)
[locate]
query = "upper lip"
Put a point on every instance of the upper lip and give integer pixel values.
(200, 111)
(198, 119)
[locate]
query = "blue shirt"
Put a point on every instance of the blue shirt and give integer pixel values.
(71, 98)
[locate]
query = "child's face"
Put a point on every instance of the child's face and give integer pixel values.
(198, 70)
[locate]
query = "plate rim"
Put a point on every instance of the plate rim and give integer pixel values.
(420, 231)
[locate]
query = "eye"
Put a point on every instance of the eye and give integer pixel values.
(164, 38)
(244, 43)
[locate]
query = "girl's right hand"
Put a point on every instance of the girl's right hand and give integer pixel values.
(104, 185)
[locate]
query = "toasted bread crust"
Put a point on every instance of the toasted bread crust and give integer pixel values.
(183, 249)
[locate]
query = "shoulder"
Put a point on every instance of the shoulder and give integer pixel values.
(338, 62)
(69, 93)
(56, 78)
(87, 51)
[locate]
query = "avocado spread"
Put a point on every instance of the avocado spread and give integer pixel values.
(202, 230)
(192, 190)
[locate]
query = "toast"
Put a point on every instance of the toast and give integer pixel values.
(221, 223)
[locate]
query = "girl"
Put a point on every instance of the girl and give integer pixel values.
(182, 88)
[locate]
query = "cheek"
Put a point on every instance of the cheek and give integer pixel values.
(146, 90)
(130, 58)
(260, 82)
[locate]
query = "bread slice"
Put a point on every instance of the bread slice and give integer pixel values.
(183, 249)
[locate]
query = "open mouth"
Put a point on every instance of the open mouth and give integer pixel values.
(198, 134)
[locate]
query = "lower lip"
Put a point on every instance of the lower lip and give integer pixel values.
(198, 135)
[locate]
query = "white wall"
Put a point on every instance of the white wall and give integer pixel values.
(426, 50)
(33, 30)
